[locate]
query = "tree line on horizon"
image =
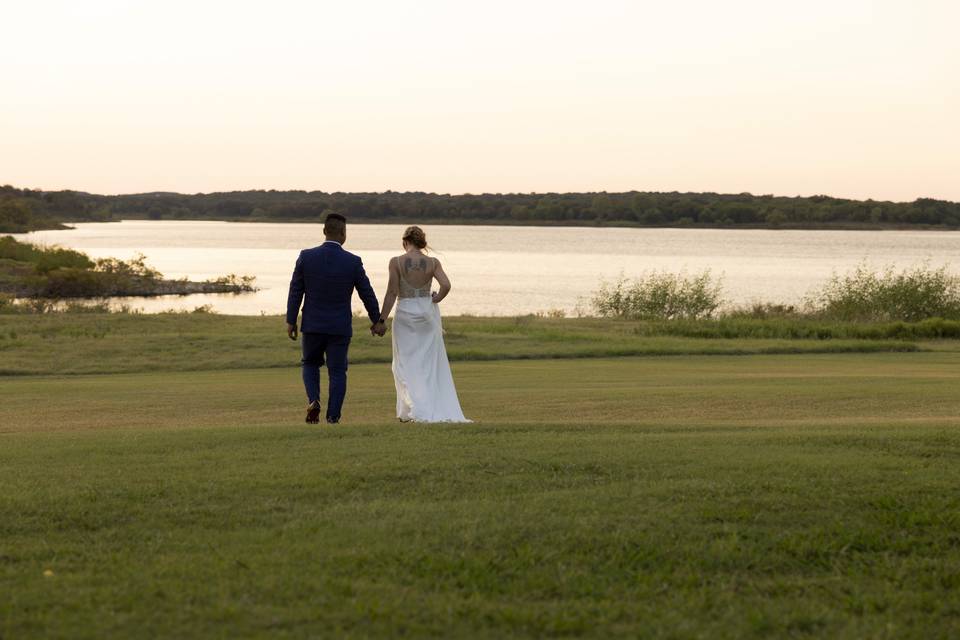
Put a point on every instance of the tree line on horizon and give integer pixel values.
(26, 210)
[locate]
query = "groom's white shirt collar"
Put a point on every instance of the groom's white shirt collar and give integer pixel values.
(332, 242)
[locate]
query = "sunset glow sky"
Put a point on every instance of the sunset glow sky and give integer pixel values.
(853, 98)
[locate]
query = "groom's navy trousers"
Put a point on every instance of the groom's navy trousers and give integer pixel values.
(320, 348)
(324, 280)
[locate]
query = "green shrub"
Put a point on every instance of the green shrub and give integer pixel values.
(44, 259)
(70, 283)
(909, 295)
(136, 267)
(659, 295)
(242, 283)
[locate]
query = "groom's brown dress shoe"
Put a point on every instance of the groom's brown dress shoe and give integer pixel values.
(313, 413)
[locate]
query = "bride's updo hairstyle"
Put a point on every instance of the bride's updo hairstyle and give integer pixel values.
(416, 237)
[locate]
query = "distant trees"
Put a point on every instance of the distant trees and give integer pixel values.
(20, 213)
(24, 209)
(15, 214)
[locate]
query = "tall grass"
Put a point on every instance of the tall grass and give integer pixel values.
(800, 328)
(12, 306)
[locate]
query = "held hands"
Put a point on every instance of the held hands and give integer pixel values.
(378, 329)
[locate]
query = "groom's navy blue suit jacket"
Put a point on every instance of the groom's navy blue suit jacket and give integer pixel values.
(324, 279)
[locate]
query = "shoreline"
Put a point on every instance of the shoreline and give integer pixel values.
(131, 289)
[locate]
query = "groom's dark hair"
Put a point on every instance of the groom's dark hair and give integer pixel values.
(334, 225)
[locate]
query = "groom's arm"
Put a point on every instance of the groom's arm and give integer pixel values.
(295, 297)
(362, 284)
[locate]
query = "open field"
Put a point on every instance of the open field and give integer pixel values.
(806, 495)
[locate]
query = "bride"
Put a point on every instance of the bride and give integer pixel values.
(425, 390)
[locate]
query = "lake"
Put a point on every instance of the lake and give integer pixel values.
(504, 270)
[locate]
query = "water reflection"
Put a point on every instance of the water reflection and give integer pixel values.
(503, 270)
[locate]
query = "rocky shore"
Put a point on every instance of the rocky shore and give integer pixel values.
(110, 288)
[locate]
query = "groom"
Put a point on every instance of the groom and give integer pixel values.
(324, 279)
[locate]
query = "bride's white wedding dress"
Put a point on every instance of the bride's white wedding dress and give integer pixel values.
(421, 371)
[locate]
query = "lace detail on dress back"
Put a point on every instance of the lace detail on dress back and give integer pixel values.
(407, 290)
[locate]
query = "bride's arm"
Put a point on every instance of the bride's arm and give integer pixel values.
(393, 289)
(444, 282)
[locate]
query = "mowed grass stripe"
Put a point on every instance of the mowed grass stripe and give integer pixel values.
(860, 388)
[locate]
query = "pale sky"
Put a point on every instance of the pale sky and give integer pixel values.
(853, 98)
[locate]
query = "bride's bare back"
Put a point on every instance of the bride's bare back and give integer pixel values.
(412, 273)
(415, 273)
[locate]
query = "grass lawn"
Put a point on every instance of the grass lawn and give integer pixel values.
(118, 343)
(806, 495)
